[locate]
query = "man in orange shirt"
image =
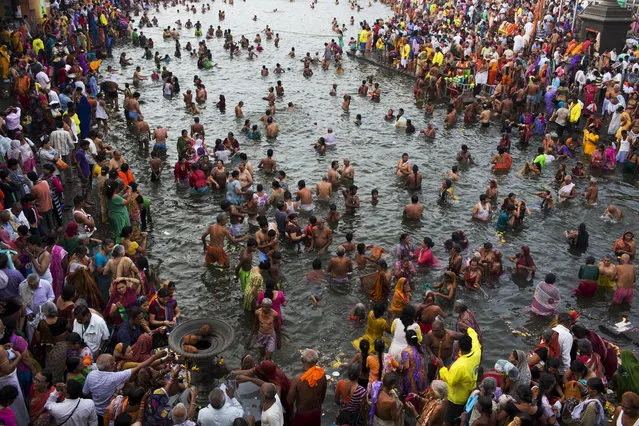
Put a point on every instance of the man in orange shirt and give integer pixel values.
(44, 204)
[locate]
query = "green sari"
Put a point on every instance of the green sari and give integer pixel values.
(626, 378)
(118, 216)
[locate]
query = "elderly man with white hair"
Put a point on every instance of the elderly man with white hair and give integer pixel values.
(221, 411)
(308, 390)
(181, 417)
(267, 326)
(34, 292)
(102, 383)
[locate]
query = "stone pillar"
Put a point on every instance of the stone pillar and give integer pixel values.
(608, 19)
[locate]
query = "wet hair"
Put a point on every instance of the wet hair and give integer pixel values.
(364, 348)
(550, 278)
(8, 394)
(378, 309)
(408, 315)
(379, 346)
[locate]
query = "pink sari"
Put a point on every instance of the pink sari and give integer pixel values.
(611, 158)
(57, 254)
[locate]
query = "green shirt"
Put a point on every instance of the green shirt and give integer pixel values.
(541, 159)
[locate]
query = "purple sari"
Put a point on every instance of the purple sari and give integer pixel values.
(57, 254)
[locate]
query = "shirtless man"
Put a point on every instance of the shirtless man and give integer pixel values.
(388, 408)
(271, 95)
(307, 394)
(200, 94)
(156, 164)
(245, 178)
(464, 157)
(133, 107)
(160, 135)
(250, 208)
(268, 164)
(324, 189)
(304, 196)
(351, 199)
(188, 98)
(322, 237)
(215, 251)
(237, 218)
(271, 128)
(532, 95)
(614, 213)
(626, 277)
(333, 176)
(138, 77)
(415, 178)
(439, 345)
(451, 115)
(266, 237)
(428, 312)
(267, 326)
(484, 117)
(340, 267)
(454, 174)
(414, 210)
(197, 127)
(238, 110)
(348, 172)
(143, 131)
(403, 166)
(243, 268)
(7, 370)
(592, 193)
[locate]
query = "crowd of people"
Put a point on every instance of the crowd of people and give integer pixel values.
(84, 320)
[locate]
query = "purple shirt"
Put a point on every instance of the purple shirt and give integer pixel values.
(12, 289)
(83, 161)
(13, 120)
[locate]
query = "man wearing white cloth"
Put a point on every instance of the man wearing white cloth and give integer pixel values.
(8, 362)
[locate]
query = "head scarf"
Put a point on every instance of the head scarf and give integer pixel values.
(268, 371)
(71, 230)
(525, 259)
(522, 365)
(142, 348)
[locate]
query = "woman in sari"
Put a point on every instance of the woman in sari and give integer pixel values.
(626, 379)
(611, 157)
(81, 277)
(131, 356)
(524, 262)
(148, 280)
(132, 248)
(547, 348)
(547, 297)
(590, 358)
(59, 263)
(40, 390)
(412, 378)
(520, 361)
(625, 245)
(84, 114)
(71, 238)
(161, 312)
(122, 298)
(65, 305)
(445, 290)
(598, 158)
(466, 319)
(119, 265)
(401, 297)
(276, 296)
(50, 340)
(434, 405)
(118, 214)
(56, 190)
(254, 285)
(27, 160)
(425, 254)
(376, 325)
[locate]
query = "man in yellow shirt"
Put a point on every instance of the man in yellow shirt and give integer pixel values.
(438, 58)
(461, 377)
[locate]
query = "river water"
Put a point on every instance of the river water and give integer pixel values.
(179, 217)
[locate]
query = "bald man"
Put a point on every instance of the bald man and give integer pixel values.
(102, 383)
(272, 410)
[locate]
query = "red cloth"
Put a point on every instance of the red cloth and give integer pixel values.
(586, 288)
(312, 418)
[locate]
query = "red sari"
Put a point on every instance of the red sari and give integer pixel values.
(127, 300)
